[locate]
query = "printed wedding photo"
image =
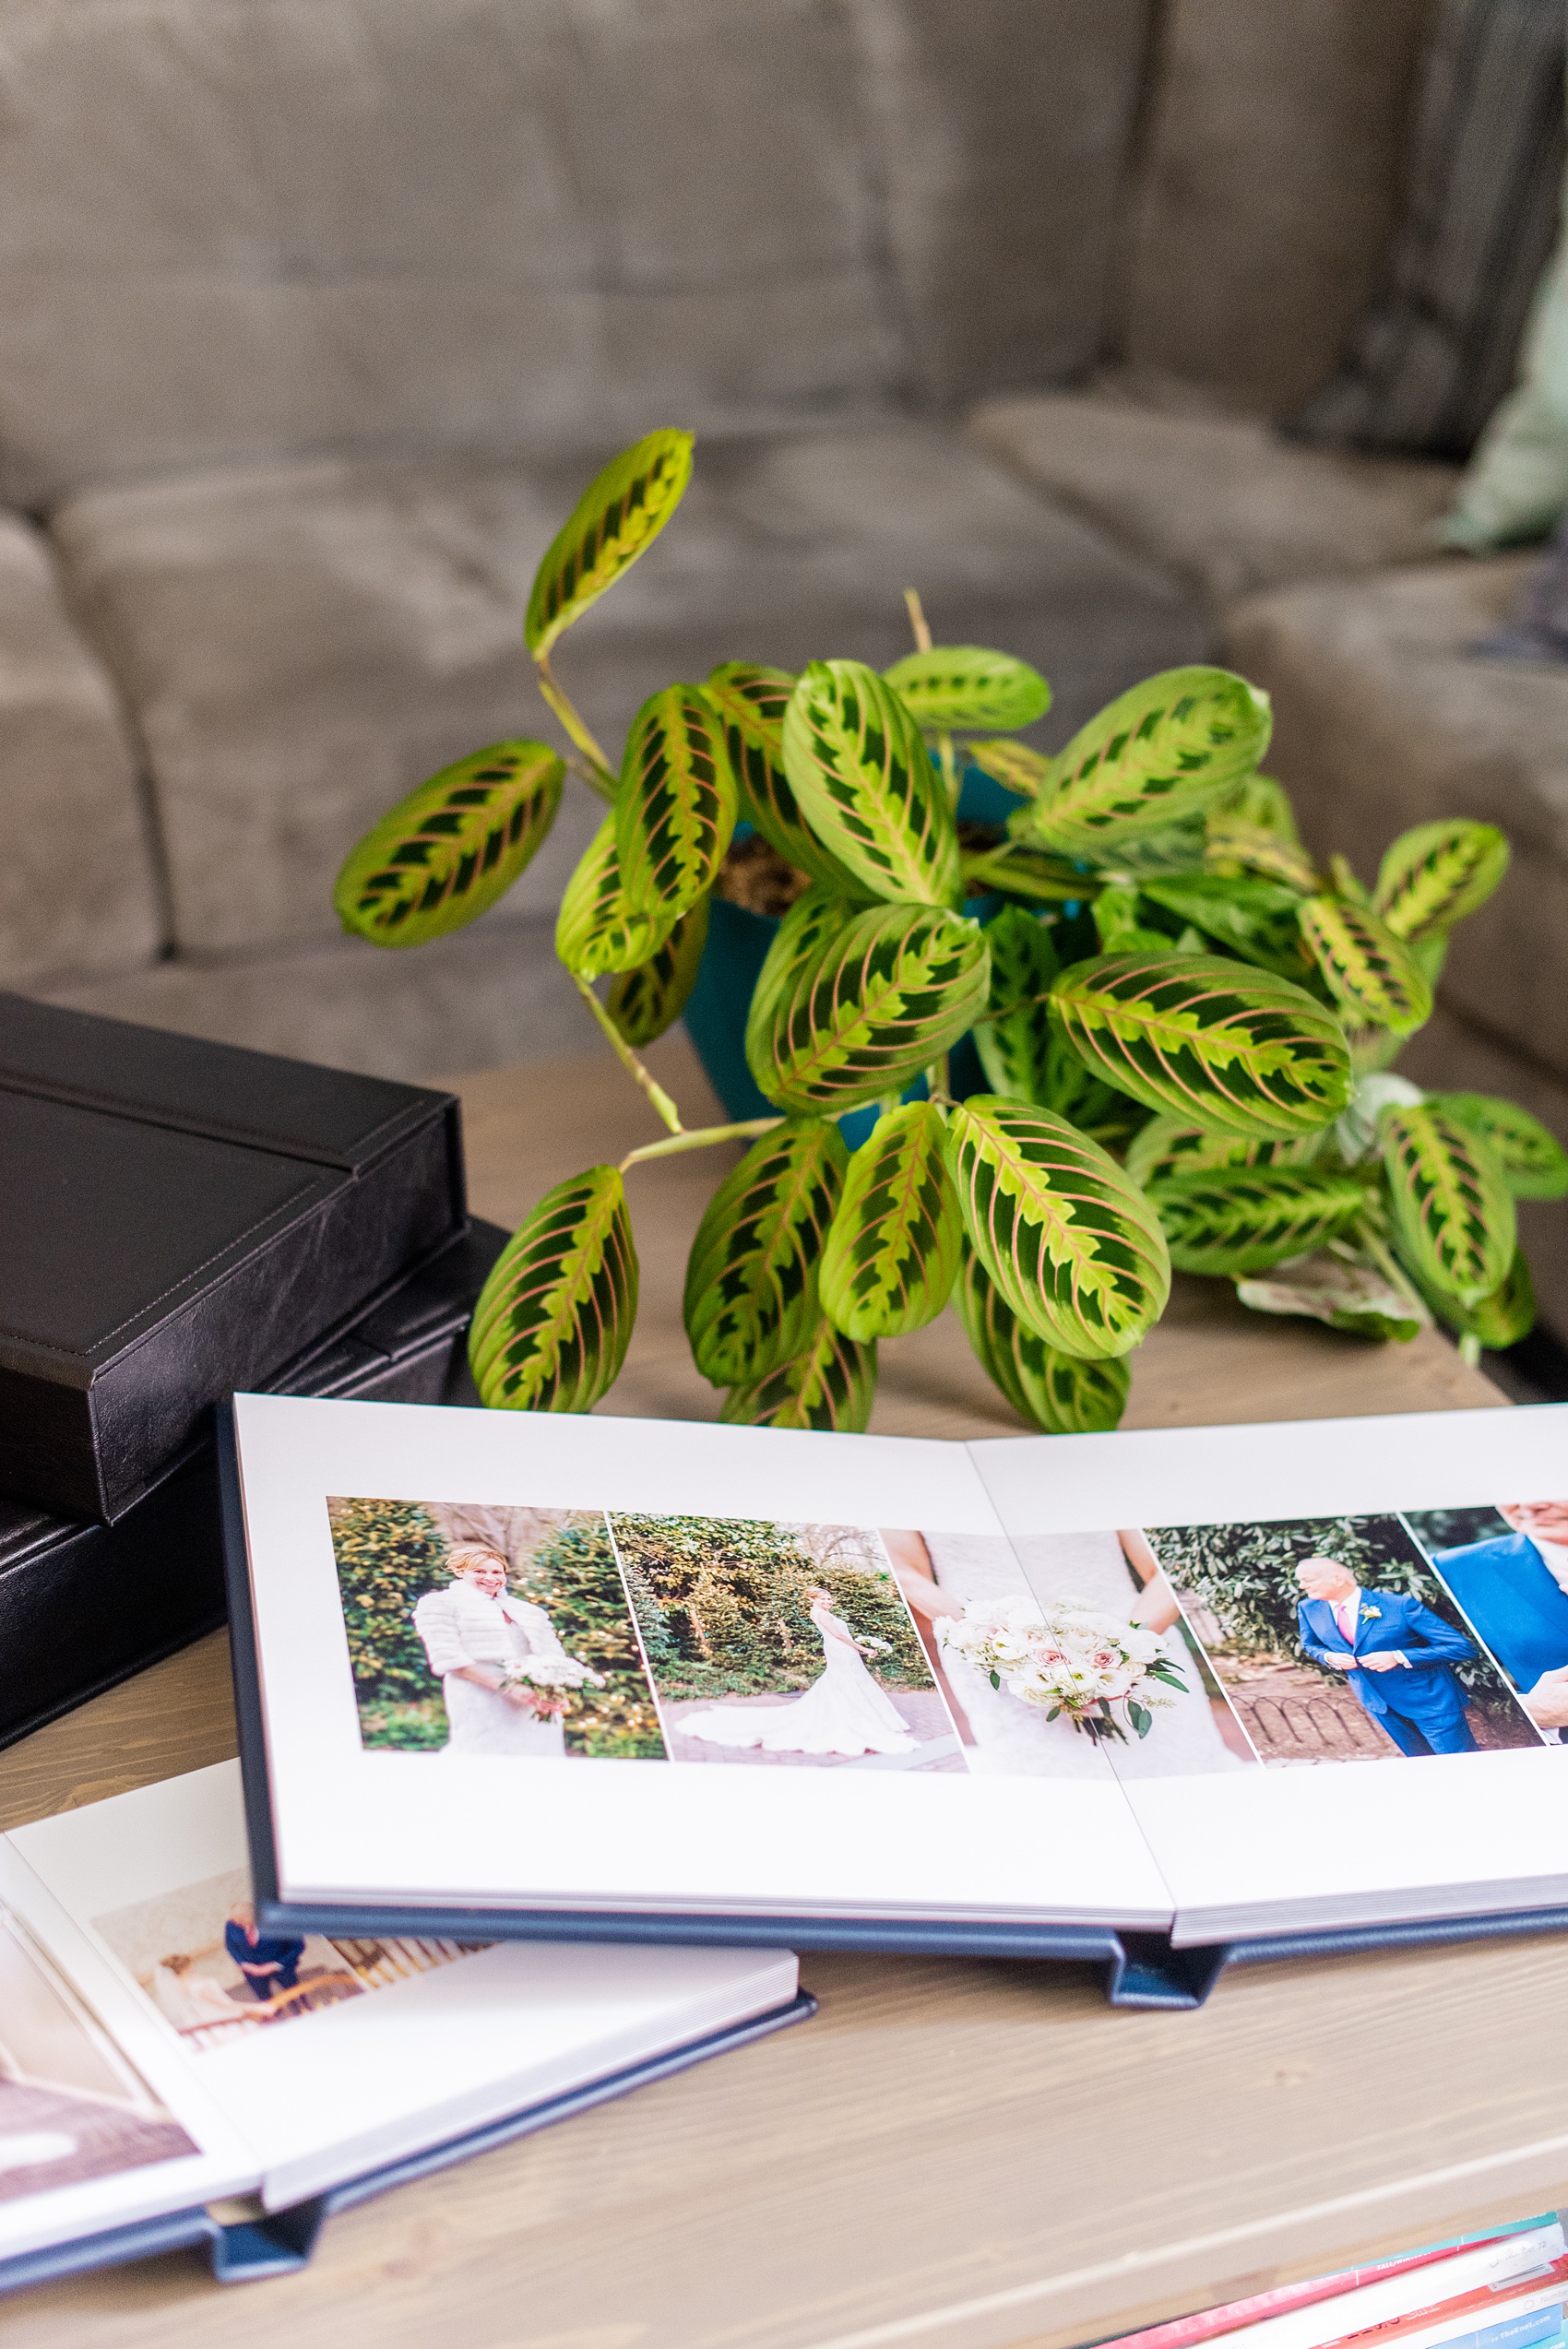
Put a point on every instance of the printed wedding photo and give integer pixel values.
(198, 1955)
(1344, 1639)
(71, 2108)
(546, 1634)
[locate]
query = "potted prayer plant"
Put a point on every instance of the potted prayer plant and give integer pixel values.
(1185, 1026)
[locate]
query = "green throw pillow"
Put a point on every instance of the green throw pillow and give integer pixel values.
(1515, 486)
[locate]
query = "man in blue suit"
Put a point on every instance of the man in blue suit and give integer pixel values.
(1395, 1655)
(1515, 1591)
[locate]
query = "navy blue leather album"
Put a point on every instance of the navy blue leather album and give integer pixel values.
(1158, 1701)
(176, 2072)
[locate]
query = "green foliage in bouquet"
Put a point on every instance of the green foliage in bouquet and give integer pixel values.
(1185, 1026)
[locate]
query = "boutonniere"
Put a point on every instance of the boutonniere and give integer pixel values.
(1371, 1614)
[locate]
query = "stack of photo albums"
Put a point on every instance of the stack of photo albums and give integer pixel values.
(1110, 1697)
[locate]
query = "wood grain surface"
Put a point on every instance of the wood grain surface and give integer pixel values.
(961, 2155)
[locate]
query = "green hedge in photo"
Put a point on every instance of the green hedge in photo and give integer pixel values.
(573, 1577)
(722, 1603)
(389, 1553)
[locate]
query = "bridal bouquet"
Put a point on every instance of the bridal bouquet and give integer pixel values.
(552, 1682)
(1066, 1656)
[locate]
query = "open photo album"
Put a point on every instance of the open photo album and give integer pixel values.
(173, 2070)
(523, 1674)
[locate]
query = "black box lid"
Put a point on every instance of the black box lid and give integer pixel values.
(182, 1218)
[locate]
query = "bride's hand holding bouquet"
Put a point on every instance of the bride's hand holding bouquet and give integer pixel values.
(545, 1685)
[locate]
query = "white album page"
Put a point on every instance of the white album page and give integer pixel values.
(1363, 1699)
(516, 1660)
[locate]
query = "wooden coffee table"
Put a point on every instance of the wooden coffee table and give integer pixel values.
(958, 2156)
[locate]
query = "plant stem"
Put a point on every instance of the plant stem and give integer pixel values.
(936, 1079)
(1470, 1350)
(602, 777)
(949, 766)
(918, 619)
(700, 1138)
(666, 1107)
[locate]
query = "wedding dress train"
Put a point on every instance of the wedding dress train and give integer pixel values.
(843, 1712)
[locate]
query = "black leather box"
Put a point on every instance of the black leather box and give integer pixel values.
(84, 1605)
(179, 1219)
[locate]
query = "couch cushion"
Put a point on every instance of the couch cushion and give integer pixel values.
(244, 231)
(77, 886)
(1221, 501)
(301, 645)
(1272, 183)
(1384, 719)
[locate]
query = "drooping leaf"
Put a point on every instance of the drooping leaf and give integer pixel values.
(865, 783)
(447, 853)
(1433, 876)
(1014, 1039)
(1343, 881)
(1339, 1290)
(617, 517)
(1256, 919)
(1173, 848)
(1075, 1248)
(1452, 1208)
(596, 930)
(1169, 1145)
(868, 1010)
(1534, 1163)
(1013, 765)
(1500, 1319)
(1158, 752)
(677, 804)
(1368, 972)
(892, 1255)
(750, 703)
(1262, 805)
(959, 686)
(1216, 1043)
(553, 1323)
(1232, 847)
(830, 1383)
(751, 1296)
(1238, 1220)
(644, 1002)
(1060, 1393)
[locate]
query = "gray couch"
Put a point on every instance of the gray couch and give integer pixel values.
(314, 320)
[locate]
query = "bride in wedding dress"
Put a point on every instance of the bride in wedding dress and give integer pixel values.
(843, 1712)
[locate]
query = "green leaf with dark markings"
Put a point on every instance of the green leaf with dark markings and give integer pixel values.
(955, 686)
(553, 1323)
(596, 930)
(677, 804)
(1433, 876)
(1233, 847)
(1500, 1319)
(1158, 752)
(1373, 977)
(1019, 871)
(1234, 1221)
(751, 1296)
(644, 1002)
(1075, 1248)
(830, 1383)
(813, 922)
(447, 852)
(1060, 1393)
(865, 783)
(1534, 1164)
(1170, 1146)
(617, 518)
(868, 1009)
(1214, 1042)
(1261, 803)
(893, 1252)
(1452, 1208)
(750, 703)
(1014, 1039)
(1254, 918)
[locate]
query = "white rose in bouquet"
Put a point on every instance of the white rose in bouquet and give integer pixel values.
(1066, 1656)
